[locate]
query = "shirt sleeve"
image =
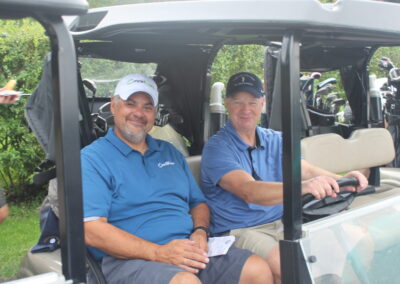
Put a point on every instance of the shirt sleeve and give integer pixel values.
(217, 161)
(96, 188)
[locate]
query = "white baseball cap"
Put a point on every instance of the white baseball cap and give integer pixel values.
(136, 83)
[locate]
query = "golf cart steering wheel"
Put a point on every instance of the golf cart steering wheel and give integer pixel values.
(314, 208)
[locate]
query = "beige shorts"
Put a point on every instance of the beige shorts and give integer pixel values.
(259, 239)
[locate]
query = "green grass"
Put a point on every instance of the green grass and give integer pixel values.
(18, 233)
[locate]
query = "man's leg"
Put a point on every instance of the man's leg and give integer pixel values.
(185, 278)
(256, 271)
(144, 272)
(237, 266)
(274, 261)
(263, 241)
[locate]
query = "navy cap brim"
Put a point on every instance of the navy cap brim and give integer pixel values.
(247, 89)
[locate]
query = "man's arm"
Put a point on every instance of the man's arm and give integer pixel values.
(3, 207)
(201, 218)
(3, 213)
(116, 242)
(242, 184)
(120, 244)
(309, 171)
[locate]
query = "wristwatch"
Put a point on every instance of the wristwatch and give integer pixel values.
(206, 229)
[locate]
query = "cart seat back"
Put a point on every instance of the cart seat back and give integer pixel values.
(194, 163)
(365, 148)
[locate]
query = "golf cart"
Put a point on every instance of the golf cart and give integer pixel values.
(178, 49)
(49, 14)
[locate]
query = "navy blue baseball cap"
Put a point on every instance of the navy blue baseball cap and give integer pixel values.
(244, 82)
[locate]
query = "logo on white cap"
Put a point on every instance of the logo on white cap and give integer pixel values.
(136, 83)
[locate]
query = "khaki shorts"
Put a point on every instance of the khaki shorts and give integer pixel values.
(259, 239)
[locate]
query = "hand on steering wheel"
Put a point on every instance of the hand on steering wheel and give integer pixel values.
(342, 182)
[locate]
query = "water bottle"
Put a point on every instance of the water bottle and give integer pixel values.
(375, 100)
(217, 109)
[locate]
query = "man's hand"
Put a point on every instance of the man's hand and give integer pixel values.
(362, 181)
(183, 253)
(320, 187)
(200, 237)
(9, 99)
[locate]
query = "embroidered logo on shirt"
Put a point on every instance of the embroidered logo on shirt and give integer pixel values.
(167, 163)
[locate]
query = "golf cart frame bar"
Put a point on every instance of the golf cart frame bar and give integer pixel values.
(66, 115)
(67, 138)
(294, 269)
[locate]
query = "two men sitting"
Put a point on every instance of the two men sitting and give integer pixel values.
(145, 216)
(147, 220)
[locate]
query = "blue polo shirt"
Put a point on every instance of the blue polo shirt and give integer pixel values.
(148, 195)
(226, 152)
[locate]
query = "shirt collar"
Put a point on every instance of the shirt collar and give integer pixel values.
(125, 149)
(239, 141)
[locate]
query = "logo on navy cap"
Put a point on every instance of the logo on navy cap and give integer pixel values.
(244, 82)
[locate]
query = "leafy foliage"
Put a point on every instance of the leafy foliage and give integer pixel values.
(237, 58)
(22, 48)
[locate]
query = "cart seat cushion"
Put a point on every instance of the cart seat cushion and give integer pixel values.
(365, 148)
(194, 163)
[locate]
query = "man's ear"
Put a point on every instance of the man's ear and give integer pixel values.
(264, 101)
(112, 105)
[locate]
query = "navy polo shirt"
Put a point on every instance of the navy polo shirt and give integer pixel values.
(226, 152)
(148, 195)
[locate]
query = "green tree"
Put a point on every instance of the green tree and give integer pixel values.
(236, 58)
(23, 45)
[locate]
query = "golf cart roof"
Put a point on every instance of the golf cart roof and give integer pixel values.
(243, 21)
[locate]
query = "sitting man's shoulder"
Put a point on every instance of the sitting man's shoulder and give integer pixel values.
(96, 146)
(269, 132)
(164, 145)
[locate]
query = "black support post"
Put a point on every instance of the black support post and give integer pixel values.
(291, 124)
(67, 140)
(293, 265)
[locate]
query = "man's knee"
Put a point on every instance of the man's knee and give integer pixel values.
(274, 262)
(256, 270)
(185, 278)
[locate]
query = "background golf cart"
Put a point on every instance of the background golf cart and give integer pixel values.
(180, 45)
(49, 14)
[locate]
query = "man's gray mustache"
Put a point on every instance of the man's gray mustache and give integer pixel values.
(138, 119)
